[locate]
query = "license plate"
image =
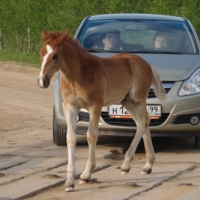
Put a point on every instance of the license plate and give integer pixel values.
(118, 111)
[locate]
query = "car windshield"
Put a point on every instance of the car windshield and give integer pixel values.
(138, 35)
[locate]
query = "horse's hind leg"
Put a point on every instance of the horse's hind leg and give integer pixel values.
(150, 155)
(92, 136)
(139, 113)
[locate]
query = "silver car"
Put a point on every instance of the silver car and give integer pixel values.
(177, 62)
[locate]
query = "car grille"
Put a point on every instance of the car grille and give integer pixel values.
(122, 122)
(130, 122)
(84, 117)
(167, 86)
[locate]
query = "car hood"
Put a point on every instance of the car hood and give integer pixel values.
(170, 67)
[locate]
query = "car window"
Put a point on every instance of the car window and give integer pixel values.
(139, 35)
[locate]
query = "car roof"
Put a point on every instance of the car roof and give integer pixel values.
(135, 16)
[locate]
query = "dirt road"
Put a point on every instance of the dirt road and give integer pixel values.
(32, 167)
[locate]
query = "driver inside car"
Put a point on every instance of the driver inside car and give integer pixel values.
(110, 41)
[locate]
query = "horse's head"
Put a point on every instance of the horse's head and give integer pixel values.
(49, 55)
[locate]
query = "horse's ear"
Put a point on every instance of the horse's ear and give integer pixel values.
(61, 39)
(44, 35)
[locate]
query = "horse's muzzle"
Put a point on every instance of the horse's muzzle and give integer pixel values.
(43, 82)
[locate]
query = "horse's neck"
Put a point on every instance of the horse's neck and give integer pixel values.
(72, 63)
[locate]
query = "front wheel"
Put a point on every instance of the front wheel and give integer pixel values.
(59, 134)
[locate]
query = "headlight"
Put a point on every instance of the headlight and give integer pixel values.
(191, 85)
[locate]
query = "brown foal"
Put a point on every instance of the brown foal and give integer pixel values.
(91, 82)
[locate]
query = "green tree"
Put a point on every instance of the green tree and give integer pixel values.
(21, 21)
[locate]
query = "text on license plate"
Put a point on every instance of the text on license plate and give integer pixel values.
(118, 111)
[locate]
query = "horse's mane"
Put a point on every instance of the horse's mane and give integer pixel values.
(54, 35)
(73, 42)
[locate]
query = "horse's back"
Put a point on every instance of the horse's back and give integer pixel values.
(127, 73)
(127, 68)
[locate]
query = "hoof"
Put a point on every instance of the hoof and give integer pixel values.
(125, 171)
(69, 189)
(82, 181)
(144, 171)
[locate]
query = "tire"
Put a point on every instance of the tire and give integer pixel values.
(197, 142)
(59, 134)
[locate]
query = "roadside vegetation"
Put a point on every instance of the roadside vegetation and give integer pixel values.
(31, 59)
(21, 21)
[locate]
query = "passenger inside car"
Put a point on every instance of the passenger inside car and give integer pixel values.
(160, 41)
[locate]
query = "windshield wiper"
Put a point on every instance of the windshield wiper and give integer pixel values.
(169, 52)
(96, 50)
(136, 51)
(155, 52)
(105, 51)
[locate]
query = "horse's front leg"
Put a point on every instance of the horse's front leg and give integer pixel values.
(92, 136)
(71, 116)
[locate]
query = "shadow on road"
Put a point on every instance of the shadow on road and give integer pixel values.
(159, 143)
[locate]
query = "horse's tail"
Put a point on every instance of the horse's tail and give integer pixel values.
(158, 87)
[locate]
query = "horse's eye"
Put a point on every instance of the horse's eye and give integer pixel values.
(55, 57)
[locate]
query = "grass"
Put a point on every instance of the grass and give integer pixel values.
(31, 59)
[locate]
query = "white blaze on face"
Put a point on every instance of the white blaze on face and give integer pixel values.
(49, 51)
